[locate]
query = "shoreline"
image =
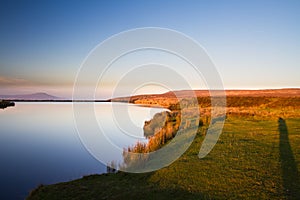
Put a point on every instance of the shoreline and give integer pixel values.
(243, 116)
(156, 99)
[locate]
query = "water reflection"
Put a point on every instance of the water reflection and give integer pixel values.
(39, 145)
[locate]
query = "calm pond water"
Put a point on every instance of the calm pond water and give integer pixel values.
(39, 144)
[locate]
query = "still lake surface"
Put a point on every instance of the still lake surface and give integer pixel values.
(39, 144)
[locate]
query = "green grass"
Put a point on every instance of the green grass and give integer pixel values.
(253, 159)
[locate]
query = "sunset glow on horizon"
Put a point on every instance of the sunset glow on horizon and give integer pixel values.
(253, 44)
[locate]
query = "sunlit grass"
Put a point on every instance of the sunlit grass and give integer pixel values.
(245, 164)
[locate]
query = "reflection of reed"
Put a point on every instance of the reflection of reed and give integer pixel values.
(290, 174)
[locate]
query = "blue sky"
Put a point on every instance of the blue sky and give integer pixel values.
(254, 44)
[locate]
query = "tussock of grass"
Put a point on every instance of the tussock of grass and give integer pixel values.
(159, 130)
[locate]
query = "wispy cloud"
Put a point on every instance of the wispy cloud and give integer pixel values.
(6, 81)
(9, 81)
(13, 86)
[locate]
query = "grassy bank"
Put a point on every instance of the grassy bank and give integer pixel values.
(256, 157)
(252, 160)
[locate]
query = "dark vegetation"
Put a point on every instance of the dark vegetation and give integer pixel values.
(5, 104)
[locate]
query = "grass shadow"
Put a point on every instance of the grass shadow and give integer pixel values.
(113, 187)
(290, 174)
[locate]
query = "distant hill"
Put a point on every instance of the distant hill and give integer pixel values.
(173, 95)
(288, 92)
(35, 96)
